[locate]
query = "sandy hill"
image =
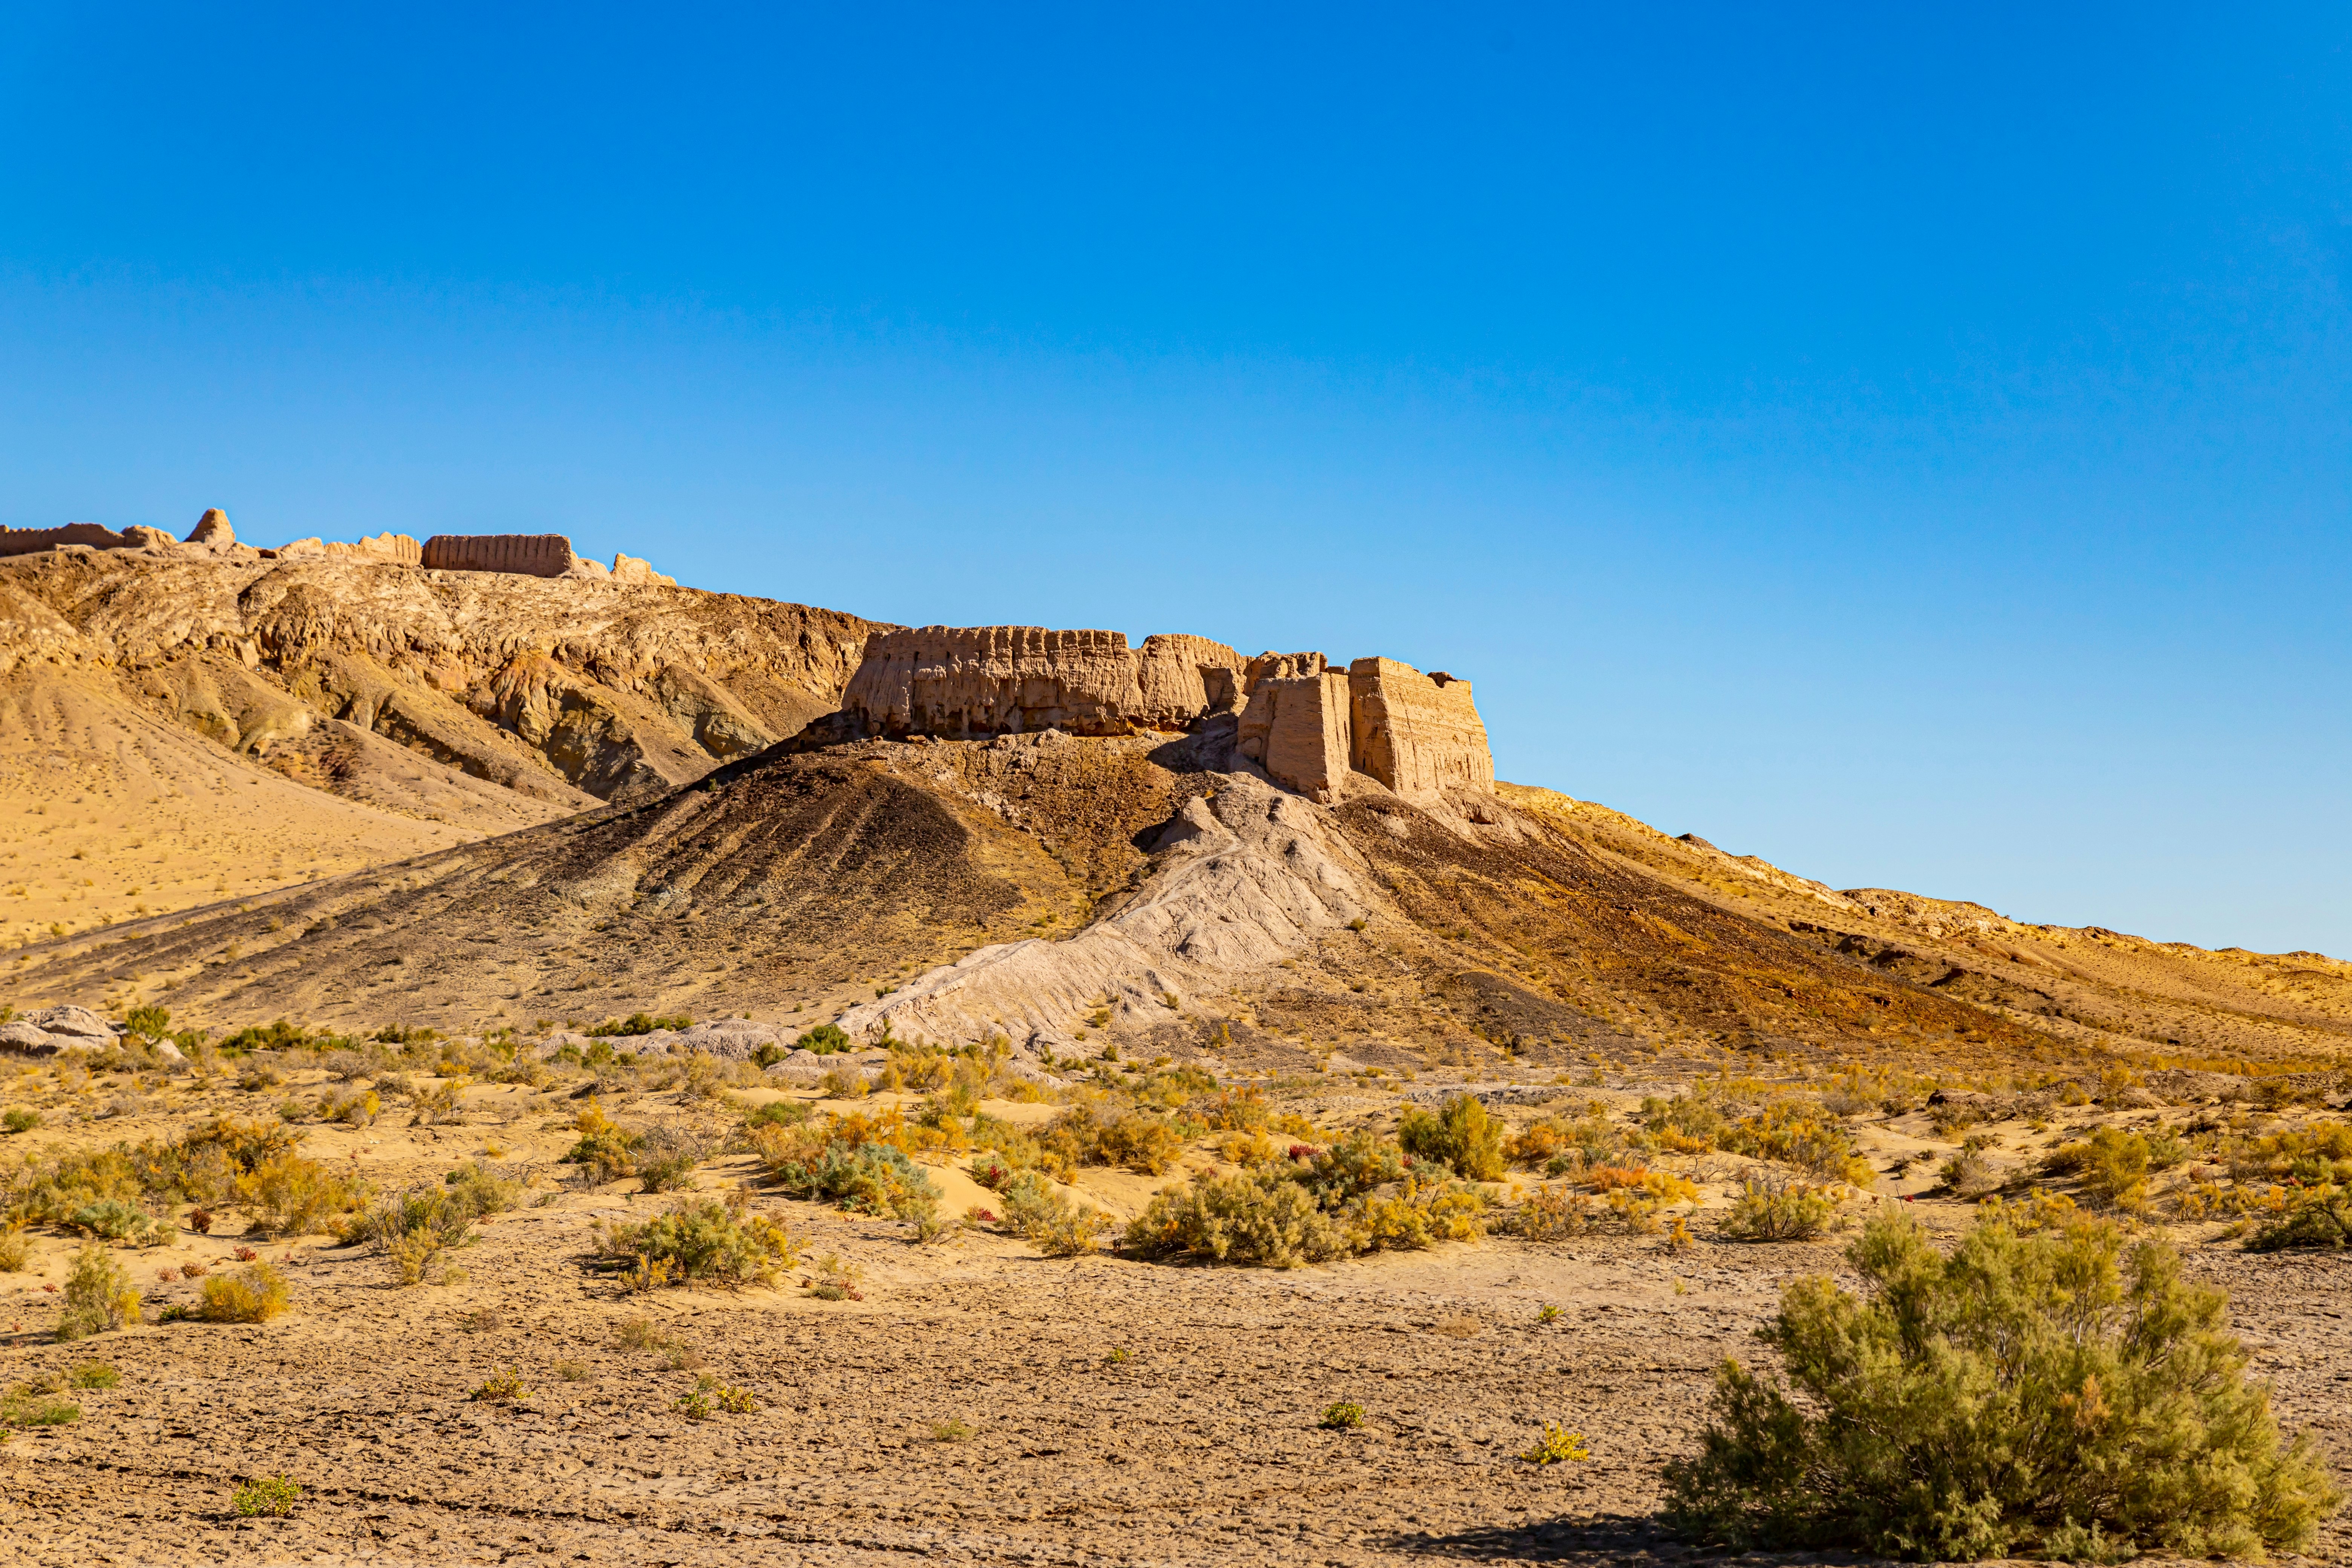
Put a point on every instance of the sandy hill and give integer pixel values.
(464, 799)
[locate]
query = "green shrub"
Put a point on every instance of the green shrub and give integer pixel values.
(2053, 1393)
(706, 1243)
(865, 1177)
(1460, 1134)
(98, 1296)
(606, 1150)
(825, 1040)
(2112, 1163)
(17, 1118)
(1046, 1217)
(274, 1496)
(1250, 1216)
(1798, 1133)
(635, 1023)
(1769, 1209)
(110, 1218)
(1344, 1416)
(2321, 1218)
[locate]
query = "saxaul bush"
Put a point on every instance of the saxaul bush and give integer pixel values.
(2057, 1390)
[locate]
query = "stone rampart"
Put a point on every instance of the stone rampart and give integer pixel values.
(1415, 731)
(523, 554)
(1298, 728)
(988, 680)
(25, 541)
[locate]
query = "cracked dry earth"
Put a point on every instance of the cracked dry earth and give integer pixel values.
(1201, 1446)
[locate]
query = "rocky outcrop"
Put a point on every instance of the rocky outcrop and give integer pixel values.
(645, 687)
(53, 1029)
(1416, 733)
(991, 680)
(212, 531)
(629, 569)
(1244, 881)
(524, 555)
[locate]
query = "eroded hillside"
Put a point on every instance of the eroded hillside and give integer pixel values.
(145, 694)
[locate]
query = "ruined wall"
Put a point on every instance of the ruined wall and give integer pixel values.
(1415, 731)
(985, 680)
(1179, 678)
(524, 555)
(1298, 730)
(25, 541)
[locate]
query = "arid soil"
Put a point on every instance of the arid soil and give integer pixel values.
(977, 1402)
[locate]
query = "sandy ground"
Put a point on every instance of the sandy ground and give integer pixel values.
(1115, 1412)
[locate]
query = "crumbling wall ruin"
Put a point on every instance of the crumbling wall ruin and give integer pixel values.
(1385, 720)
(991, 680)
(524, 555)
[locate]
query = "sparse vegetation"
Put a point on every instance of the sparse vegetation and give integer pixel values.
(272, 1497)
(1460, 1135)
(1344, 1416)
(1558, 1445)
(1777, 1208)
(98, 1296)
(708, 1243)
(2060, 1392)
(254, 1294)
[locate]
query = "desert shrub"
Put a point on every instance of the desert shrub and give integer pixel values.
(1344, 1416)
(15, 1249)
(1047, 1218)
(1970, 1174)
(17, 1118)
(115, 1220)
(666, 1158)
(1250, 1216)
(866, 1178)
(2320, 1218)
(441, 1102)
(72, 1182)
(1771, 1208)
(270, 1496)
(1229, 1111)
(254, 1294)
(503, 1387)
(1460, 1134)
(776, 1113)
(825, 1040)
(636, 1024)
(414, 1227)
(2053, 1393)
(604, 1151)
(707, 1243)
(1351, 1167)
(98, 1296)
(294, 1195)
(2111, 1163)
(1690, 1122)
(1559, 1445)
(1416, 1217)
(1550, 1214)
(1797, 1133)
(1097, 1135)
(359, 1110)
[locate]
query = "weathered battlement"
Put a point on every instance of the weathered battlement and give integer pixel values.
(985, 680)
(524, 555)
(1412, 732)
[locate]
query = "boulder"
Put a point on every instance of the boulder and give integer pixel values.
(53, 1029)
(79, 1022)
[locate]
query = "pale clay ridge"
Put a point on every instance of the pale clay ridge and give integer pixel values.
(1254, 875)
(522, 554)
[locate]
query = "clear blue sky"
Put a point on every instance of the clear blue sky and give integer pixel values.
(1911, 445)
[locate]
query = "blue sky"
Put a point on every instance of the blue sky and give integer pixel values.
(1912, 448)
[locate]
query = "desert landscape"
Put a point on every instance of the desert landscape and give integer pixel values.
(508, 1057)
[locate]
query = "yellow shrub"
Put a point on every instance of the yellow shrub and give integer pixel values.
(254, 1294)
(294, 1195)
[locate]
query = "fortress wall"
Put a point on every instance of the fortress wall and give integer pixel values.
(25, 541)
(525, 555)
(1179, 678)
(1415, 731)
(964, 680)
(1298, 730)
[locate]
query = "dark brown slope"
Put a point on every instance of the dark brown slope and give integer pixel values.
(784, 884)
